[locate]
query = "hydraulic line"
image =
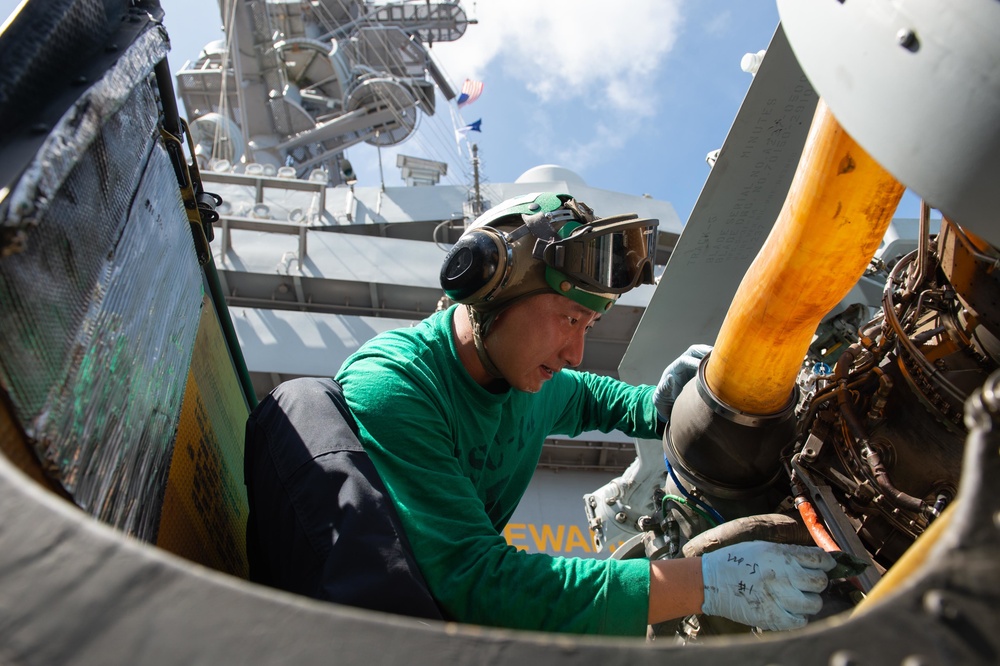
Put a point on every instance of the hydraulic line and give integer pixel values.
(716, 516)
(869, 453)
(683, 501)
(831, 391)
(776, 527)
(816, 529)
(835, 215)
(907, 346)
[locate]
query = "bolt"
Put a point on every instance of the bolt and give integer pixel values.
(938, 605)
(843, 658)
(610, 501)
(621, 517)
(908, 39)
(915, 660)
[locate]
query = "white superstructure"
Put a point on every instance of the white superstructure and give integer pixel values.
(314, 263)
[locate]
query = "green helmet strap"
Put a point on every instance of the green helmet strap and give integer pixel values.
(562, 285)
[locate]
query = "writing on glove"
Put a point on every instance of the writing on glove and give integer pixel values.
(767, 585)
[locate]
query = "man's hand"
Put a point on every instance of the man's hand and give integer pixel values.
(766, 585)
(682, 370)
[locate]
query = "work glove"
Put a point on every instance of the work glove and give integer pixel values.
(766, 585)
(680, 371)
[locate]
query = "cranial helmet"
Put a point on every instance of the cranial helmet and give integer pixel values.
(546, 243)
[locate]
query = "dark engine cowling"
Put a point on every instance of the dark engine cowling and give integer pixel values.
(871, 455)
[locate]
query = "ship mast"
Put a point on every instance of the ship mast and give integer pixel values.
(477, 201)
(300, 83)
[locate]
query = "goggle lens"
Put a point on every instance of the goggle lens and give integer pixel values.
(617, 261)
(611, 256)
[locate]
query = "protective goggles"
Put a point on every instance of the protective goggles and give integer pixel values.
(611, 255)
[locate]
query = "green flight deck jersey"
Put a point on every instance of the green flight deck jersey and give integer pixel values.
(456, 460)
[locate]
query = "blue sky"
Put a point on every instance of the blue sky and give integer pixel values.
(631, 96)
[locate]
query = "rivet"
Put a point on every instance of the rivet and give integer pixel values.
(565, 285)
(843, 658)
(533, 207)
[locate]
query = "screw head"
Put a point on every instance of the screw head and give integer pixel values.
(937, 604)
(907, 39)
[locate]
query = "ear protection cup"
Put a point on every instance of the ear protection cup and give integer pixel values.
(476, 266)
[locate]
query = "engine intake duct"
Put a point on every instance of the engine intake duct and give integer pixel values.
(727, 430)
(725, 452)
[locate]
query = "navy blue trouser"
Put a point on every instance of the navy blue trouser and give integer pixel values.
(321, 523)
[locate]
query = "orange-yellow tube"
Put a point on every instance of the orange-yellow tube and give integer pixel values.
(816, 529)
(837, 210)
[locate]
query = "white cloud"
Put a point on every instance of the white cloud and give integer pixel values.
(583, 155)
(719, 23)
(604, 137)
(566, 49)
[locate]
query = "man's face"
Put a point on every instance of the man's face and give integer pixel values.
(536, 338)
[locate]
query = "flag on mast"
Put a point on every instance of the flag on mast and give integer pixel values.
(471, 90)
(471, 127)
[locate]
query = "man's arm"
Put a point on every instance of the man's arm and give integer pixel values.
(675, 589)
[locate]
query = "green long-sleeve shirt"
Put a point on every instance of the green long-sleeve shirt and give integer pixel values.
(456, 460)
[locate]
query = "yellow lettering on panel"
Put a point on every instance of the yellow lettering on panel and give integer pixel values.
(547, 536)
(576, 540)
(550, 538)
(511, 535)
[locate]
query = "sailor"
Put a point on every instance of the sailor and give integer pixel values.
(388, 488)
